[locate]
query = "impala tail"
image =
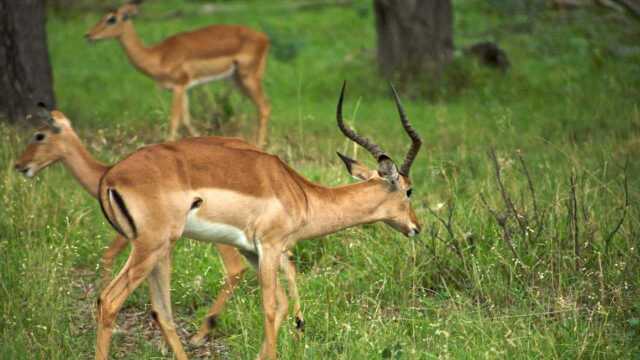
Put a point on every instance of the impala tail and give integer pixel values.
(115, 210)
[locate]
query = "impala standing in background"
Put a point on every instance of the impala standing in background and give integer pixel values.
(57, 141)
(231, 193)
(191, 58)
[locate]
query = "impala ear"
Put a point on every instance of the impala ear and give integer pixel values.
(387, 169)
(356, 169)
(44, 112)
(60, 120)
(128, 11)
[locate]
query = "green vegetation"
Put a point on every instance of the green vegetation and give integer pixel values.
(559, 280)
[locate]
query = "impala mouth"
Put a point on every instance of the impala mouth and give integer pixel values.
(30, 170)
(91, 39)
(409, 231)
(414, 231)
(25, 170)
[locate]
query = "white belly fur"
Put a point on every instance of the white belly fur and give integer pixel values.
(207, 79)
(203, 230)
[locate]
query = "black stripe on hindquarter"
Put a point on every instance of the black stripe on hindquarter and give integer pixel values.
(120, 202)
(113, 225)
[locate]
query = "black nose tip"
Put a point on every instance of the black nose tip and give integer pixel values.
(17, 167)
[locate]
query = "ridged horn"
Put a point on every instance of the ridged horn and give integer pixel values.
(374, 149)
(416, 141)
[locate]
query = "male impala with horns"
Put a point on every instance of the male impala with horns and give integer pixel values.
(231, 193)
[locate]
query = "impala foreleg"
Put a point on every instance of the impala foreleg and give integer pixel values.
(186, 115)
(179, 94)
(283, 306)
(289, 268)
(160, 287)
(138, 266)
(274, 301)
(116, 247)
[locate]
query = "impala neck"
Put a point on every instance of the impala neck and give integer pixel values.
(83, 166)
(334, 209)
(138, 54)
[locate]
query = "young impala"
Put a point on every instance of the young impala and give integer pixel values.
(57, 141)
(192, 58)
(231, 193)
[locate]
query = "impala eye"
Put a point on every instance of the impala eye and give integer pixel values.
(409, 192)
(112, 20)
(39, 137)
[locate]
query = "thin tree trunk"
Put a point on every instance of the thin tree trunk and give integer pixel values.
(25, 78)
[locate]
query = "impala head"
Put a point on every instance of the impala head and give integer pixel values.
(112, 24)
(395, 183)
(47, 145)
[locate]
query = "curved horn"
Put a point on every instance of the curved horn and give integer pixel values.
(374, 149)
(416, 141)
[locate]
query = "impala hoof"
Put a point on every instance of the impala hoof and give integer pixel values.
(197, 340)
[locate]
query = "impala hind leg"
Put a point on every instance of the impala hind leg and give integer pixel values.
(230, 283)
(160, 287)
(251, 85)
(235, 267)
(186, 116)
(138, 266)
(117, 245)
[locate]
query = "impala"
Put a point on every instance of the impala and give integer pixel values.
(192, 58)
(231, 193)
(57, 141)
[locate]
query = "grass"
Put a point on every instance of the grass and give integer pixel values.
(475, 284)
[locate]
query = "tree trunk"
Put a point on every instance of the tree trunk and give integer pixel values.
(415, 37)
(633, 6)
(25, 78)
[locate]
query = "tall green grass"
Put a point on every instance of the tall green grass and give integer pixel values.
(554, 275)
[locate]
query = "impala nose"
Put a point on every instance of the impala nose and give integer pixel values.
(415, 231)
(22, 169)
